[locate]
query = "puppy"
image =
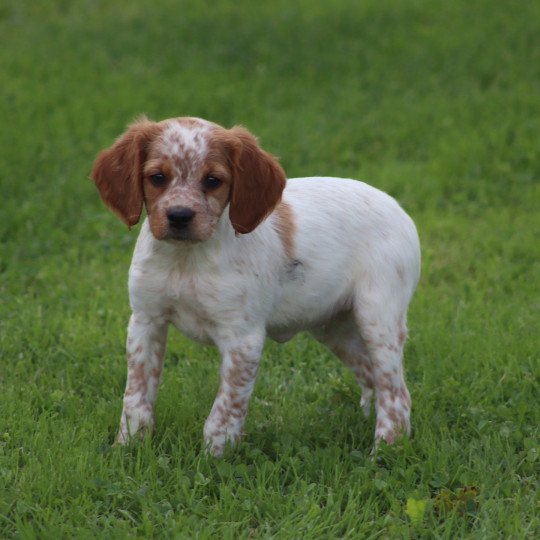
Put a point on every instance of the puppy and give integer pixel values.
(231, 253)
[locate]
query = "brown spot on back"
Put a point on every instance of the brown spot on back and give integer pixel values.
(285, 226)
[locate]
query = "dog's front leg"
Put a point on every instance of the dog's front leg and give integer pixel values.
(240, 360)
(145, 349)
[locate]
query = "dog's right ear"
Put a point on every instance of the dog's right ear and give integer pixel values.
(118, 170)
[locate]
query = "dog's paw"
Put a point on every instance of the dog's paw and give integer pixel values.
(134, 426)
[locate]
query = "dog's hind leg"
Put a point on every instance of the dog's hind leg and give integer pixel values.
(342, 337)
(382, 326)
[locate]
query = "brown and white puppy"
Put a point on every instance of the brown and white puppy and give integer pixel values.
(231, 253)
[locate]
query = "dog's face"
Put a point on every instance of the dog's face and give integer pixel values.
(187, 180)
(187, 171)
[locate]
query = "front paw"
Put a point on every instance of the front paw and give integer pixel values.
(134, 426)
(217, 436)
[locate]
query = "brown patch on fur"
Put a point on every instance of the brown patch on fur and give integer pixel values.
(242, 371)
(238, 408)
(136, 378)
(385, 383)
(395, 415)
(286, 227)
(118, 170)
(404, 396)
(222, 419)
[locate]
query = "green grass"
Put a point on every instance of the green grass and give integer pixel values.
(436, 103)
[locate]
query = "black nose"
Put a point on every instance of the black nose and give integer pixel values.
(179, 216)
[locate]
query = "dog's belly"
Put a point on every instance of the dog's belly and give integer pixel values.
(304, 306)
(283, 333)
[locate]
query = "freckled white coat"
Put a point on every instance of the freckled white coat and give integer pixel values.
(355, 268)
(231, 253)
(351, 241)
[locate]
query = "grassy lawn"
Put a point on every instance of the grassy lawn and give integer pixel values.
(437, 103)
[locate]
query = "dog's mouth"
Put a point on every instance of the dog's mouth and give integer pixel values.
(187, 236)
(183, 236)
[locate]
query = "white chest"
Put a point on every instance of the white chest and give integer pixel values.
(198, 304)
(190, 302)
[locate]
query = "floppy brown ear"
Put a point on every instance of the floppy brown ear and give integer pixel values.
(117, 171)
(258, 182)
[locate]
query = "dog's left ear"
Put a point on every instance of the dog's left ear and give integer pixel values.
(118, 171)
(258, 182)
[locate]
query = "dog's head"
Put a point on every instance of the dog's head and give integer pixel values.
(186, 171)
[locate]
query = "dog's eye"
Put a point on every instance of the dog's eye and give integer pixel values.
(211, 182)
(158, 179)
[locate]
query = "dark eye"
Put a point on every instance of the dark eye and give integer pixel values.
(157, 179)
(211, 182)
